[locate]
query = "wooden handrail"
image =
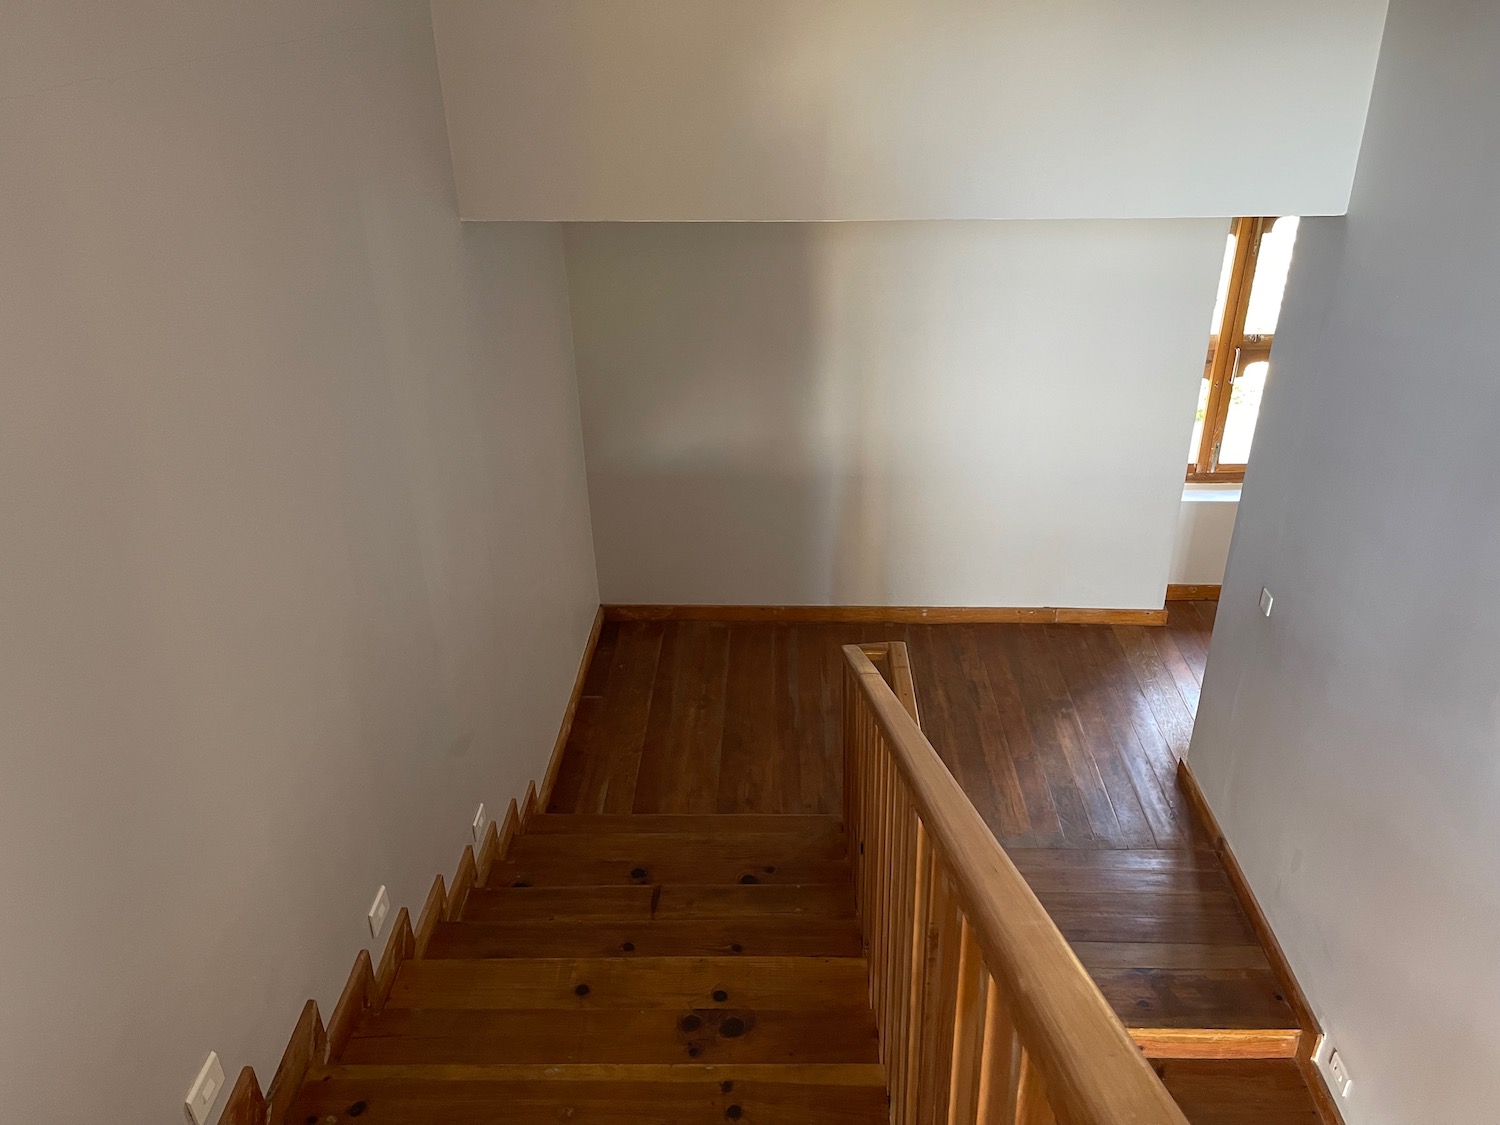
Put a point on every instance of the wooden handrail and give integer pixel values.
(985, 1014)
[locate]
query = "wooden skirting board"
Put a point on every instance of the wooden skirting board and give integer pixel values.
(898, 614)
(1327, 1108)
(368, 986)
(1188, 592)
(549, 779)
(312, 1045)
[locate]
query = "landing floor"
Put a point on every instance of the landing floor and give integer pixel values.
(1062, 735)
(1065, 737)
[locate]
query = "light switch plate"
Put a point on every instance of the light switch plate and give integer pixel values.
(378, 911)
(1266, 601)
(205, 1090)
(481, 822)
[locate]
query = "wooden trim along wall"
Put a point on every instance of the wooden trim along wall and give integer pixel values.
(368, 986)
(898, 614)
(549, 779)
(1328, 1109)
(1193, 592)
(312, 1045)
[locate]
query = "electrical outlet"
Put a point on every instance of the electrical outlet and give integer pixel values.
(1331, 1063)
(1339, 1073)
(481, 822)
(204, 1091)
(1266, 601)
(378, 911)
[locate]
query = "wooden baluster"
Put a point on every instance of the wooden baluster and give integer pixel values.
(925, 872)
(880, 884)
(1000, 1070)
(861, 818)
(1032, 1107)
(892, 914)
(852, 706)
(939, 1001)
(968, 1030)
(866, 829)
(902, 992)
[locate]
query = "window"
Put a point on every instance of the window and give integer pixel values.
(1251, 284)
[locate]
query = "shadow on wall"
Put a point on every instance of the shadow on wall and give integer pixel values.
(897, 413)
(731, 430)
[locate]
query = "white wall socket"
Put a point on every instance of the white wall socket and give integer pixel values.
(481, 822)
(378, 911)
(1266, 601)
(205, 1090)
(1332, 1064)
(1340, 1074)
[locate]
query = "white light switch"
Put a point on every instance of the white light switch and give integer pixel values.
(378, 910)
(1265, 602)
(205, 1090)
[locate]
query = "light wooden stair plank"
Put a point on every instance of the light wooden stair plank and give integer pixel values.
(681, 867)
(599, 1095)
(815, 826)
(786, 983)
(537, 904)
(661, 1035)
(756, 937)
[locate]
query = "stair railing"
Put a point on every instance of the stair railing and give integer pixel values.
(985, 1014)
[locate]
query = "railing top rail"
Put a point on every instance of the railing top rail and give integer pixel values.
(1094, 1073)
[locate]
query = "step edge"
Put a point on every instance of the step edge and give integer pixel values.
(1226, 1043)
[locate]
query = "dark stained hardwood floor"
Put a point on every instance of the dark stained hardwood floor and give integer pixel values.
(1062, 735)
(1065, 737)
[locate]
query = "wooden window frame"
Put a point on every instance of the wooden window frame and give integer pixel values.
(1225, 364)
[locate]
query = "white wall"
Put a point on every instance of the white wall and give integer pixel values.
(1351, 743)
(1205, 525)
(904, 109)
(296, 563)
(890, 413)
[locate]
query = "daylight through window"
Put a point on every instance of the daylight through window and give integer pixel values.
(1251, 284)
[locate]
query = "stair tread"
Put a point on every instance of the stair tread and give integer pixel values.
(1239, 1092)
(785, 936)
(1201, 998)
(770, 982)
(679, 1094)
(624, 858)
(653, 1035)
(718, 824)
(521, 904)
(680, 866)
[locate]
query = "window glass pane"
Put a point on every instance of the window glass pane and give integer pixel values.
(1271, 264)
(1198, 425)
(1224, 271)
(1244, 409)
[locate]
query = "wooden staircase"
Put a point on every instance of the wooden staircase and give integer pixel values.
(893, 964)
(626, 970)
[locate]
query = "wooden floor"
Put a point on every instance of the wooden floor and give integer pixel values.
(1065, 737)
(626, 971)
(648, 970)
(1062, 735)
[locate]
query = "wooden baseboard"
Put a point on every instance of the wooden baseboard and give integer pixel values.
(245, 1105)
(549, 779)
(882, 614)
(1295, 997)
(312, 1048)
(1190, 592)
